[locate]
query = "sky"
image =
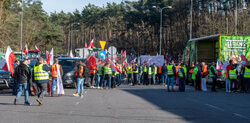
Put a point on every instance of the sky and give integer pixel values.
(71, 5)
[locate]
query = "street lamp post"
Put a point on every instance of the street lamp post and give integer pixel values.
(161, 10)
(21, 38)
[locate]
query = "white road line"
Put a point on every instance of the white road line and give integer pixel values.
(242, 116)
(77, 103)
(215, 107)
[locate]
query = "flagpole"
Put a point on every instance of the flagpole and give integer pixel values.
(21, 40)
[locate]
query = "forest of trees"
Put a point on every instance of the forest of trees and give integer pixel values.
(134, 26)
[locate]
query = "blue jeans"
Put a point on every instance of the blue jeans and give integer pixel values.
(100, 81)
(107, 80)
(117, 79)
(171, 80)
(153, 77)
(15, 87)
(54, 84)
(97, 80)
(228, 84)
(120, 78)
(26, 91)
(80, 82)
(164, 79)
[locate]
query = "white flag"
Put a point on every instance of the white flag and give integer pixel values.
(60, 89)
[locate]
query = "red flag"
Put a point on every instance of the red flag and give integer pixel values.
(50, 59)
(36, 49)
(25, 50)
(91, 44)
(10, 59)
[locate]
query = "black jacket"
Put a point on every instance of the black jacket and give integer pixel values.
(164, 69)
(22, 73)
(86, 71)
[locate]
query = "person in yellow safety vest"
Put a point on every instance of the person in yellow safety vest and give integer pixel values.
(171, 75)
(154, 73)
(182, 77)
(246, 75)
(107, 75)
(145, 73)
(212, 74)
(54, 68)
(194, 73)
(41, 78)
(100, 75)
(135, 73)
(129, 73)
(140, 75)
(150, 72)
(233, 78)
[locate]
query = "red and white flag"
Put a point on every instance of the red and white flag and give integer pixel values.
(36, 49)
(8, 65)
(25, 50)
(91, 44)
(133, 61)
(71, 54)
(50, 59)
(60, 89)
(92, 59)
(47, 54)
(113, 66)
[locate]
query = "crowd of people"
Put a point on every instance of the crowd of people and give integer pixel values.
(103, 76)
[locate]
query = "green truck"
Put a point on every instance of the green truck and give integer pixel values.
(211, 48)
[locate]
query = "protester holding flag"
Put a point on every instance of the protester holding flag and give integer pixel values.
(54, 76)
(22, 77)
(204, 73)
(41, 78)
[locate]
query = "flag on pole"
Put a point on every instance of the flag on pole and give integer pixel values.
(36, 49)
(60, 89)
(47, 54)
(113, 66)
(50, 59)
(133, 61)
(92, 59)
(25, 50)
(91, 44)
(71, 54)
(7, 64)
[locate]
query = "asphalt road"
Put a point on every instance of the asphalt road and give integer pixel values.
(130, 104)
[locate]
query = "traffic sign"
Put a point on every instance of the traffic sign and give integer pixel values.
(102, 43)
(103, 55)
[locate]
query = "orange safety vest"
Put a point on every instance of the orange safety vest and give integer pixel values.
(54, 70)
(81, 71)
(159, 69)
(93, 70)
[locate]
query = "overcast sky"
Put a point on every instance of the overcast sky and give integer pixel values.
(72, 5)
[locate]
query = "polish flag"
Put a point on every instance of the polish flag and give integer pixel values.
(47, 54)
(36, 49)
(50, 59)
(71, 54)
(133, 61)
(25, 50)
(243, 57)
(8, 65)
(113, 66)
(91, 44)
(92, 59)
(86, 45)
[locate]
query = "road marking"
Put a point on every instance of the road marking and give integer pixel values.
(242, 116)
(215, 107)
(77, 103)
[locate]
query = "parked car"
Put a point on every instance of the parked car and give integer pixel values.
(69, 66)
(6, 80)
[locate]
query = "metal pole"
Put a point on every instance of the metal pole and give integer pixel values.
(191, 19)
(160, 33)
(227, 25)
(21, 40)
(70, 37)
(235, 18)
